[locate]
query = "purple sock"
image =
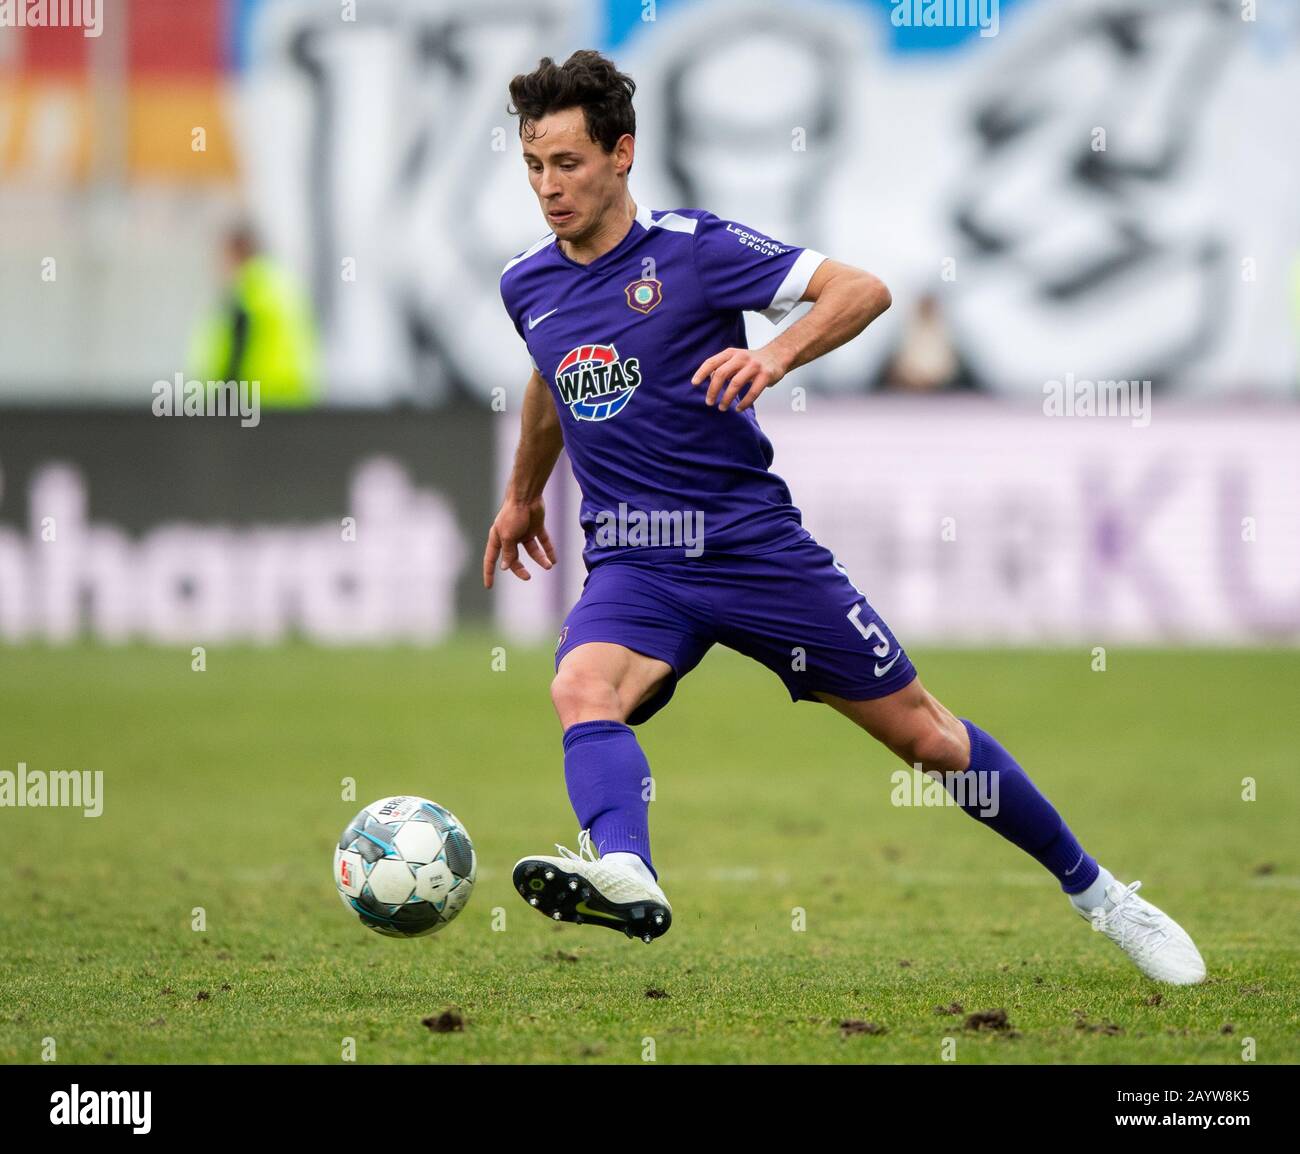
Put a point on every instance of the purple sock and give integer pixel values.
(607, 773)
(1024, 816)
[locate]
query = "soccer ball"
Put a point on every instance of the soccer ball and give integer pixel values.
(405, 866)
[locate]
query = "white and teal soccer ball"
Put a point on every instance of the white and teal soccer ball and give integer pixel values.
(405, 866)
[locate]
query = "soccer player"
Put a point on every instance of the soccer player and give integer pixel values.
(633, 320)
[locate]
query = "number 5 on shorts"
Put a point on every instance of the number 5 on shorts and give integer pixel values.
(871, 632)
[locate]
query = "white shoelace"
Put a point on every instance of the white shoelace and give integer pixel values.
(585, 852)
(1134, 925)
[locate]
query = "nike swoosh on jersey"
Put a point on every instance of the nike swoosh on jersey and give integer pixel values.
(881, 672)
(533, 322)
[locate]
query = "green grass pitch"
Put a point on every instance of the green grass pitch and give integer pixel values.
(222, 790)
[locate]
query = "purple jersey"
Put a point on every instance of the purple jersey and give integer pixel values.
(618, 341)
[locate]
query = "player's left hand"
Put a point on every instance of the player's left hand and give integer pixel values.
(758, 369)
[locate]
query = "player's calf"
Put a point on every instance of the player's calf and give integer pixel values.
(913, 725)
(937, 748)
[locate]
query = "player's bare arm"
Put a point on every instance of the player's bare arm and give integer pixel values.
(846, 300)
(522, 517)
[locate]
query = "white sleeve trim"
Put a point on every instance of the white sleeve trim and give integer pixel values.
(549, 238)
(675, 223)
(792, 288)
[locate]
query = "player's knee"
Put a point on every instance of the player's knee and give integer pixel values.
(580, 695)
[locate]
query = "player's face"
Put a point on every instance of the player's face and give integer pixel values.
(576, 181)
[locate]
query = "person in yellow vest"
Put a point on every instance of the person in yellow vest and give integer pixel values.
(263, 332)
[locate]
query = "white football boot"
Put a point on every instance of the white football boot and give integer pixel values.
(1155, 943)
(582, 888)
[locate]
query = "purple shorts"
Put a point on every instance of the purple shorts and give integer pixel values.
(794, 610)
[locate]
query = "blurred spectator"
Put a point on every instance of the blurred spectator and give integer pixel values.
(926, 361)
(264, 330)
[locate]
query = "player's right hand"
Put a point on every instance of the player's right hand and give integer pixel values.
(518, 524)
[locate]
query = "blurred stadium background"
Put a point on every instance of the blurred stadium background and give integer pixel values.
(1105, 190)
(1101, 191)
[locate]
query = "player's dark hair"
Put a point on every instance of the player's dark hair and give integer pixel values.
(587, 80)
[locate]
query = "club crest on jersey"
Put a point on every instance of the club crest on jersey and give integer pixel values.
(595, 383)
(644, 294)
